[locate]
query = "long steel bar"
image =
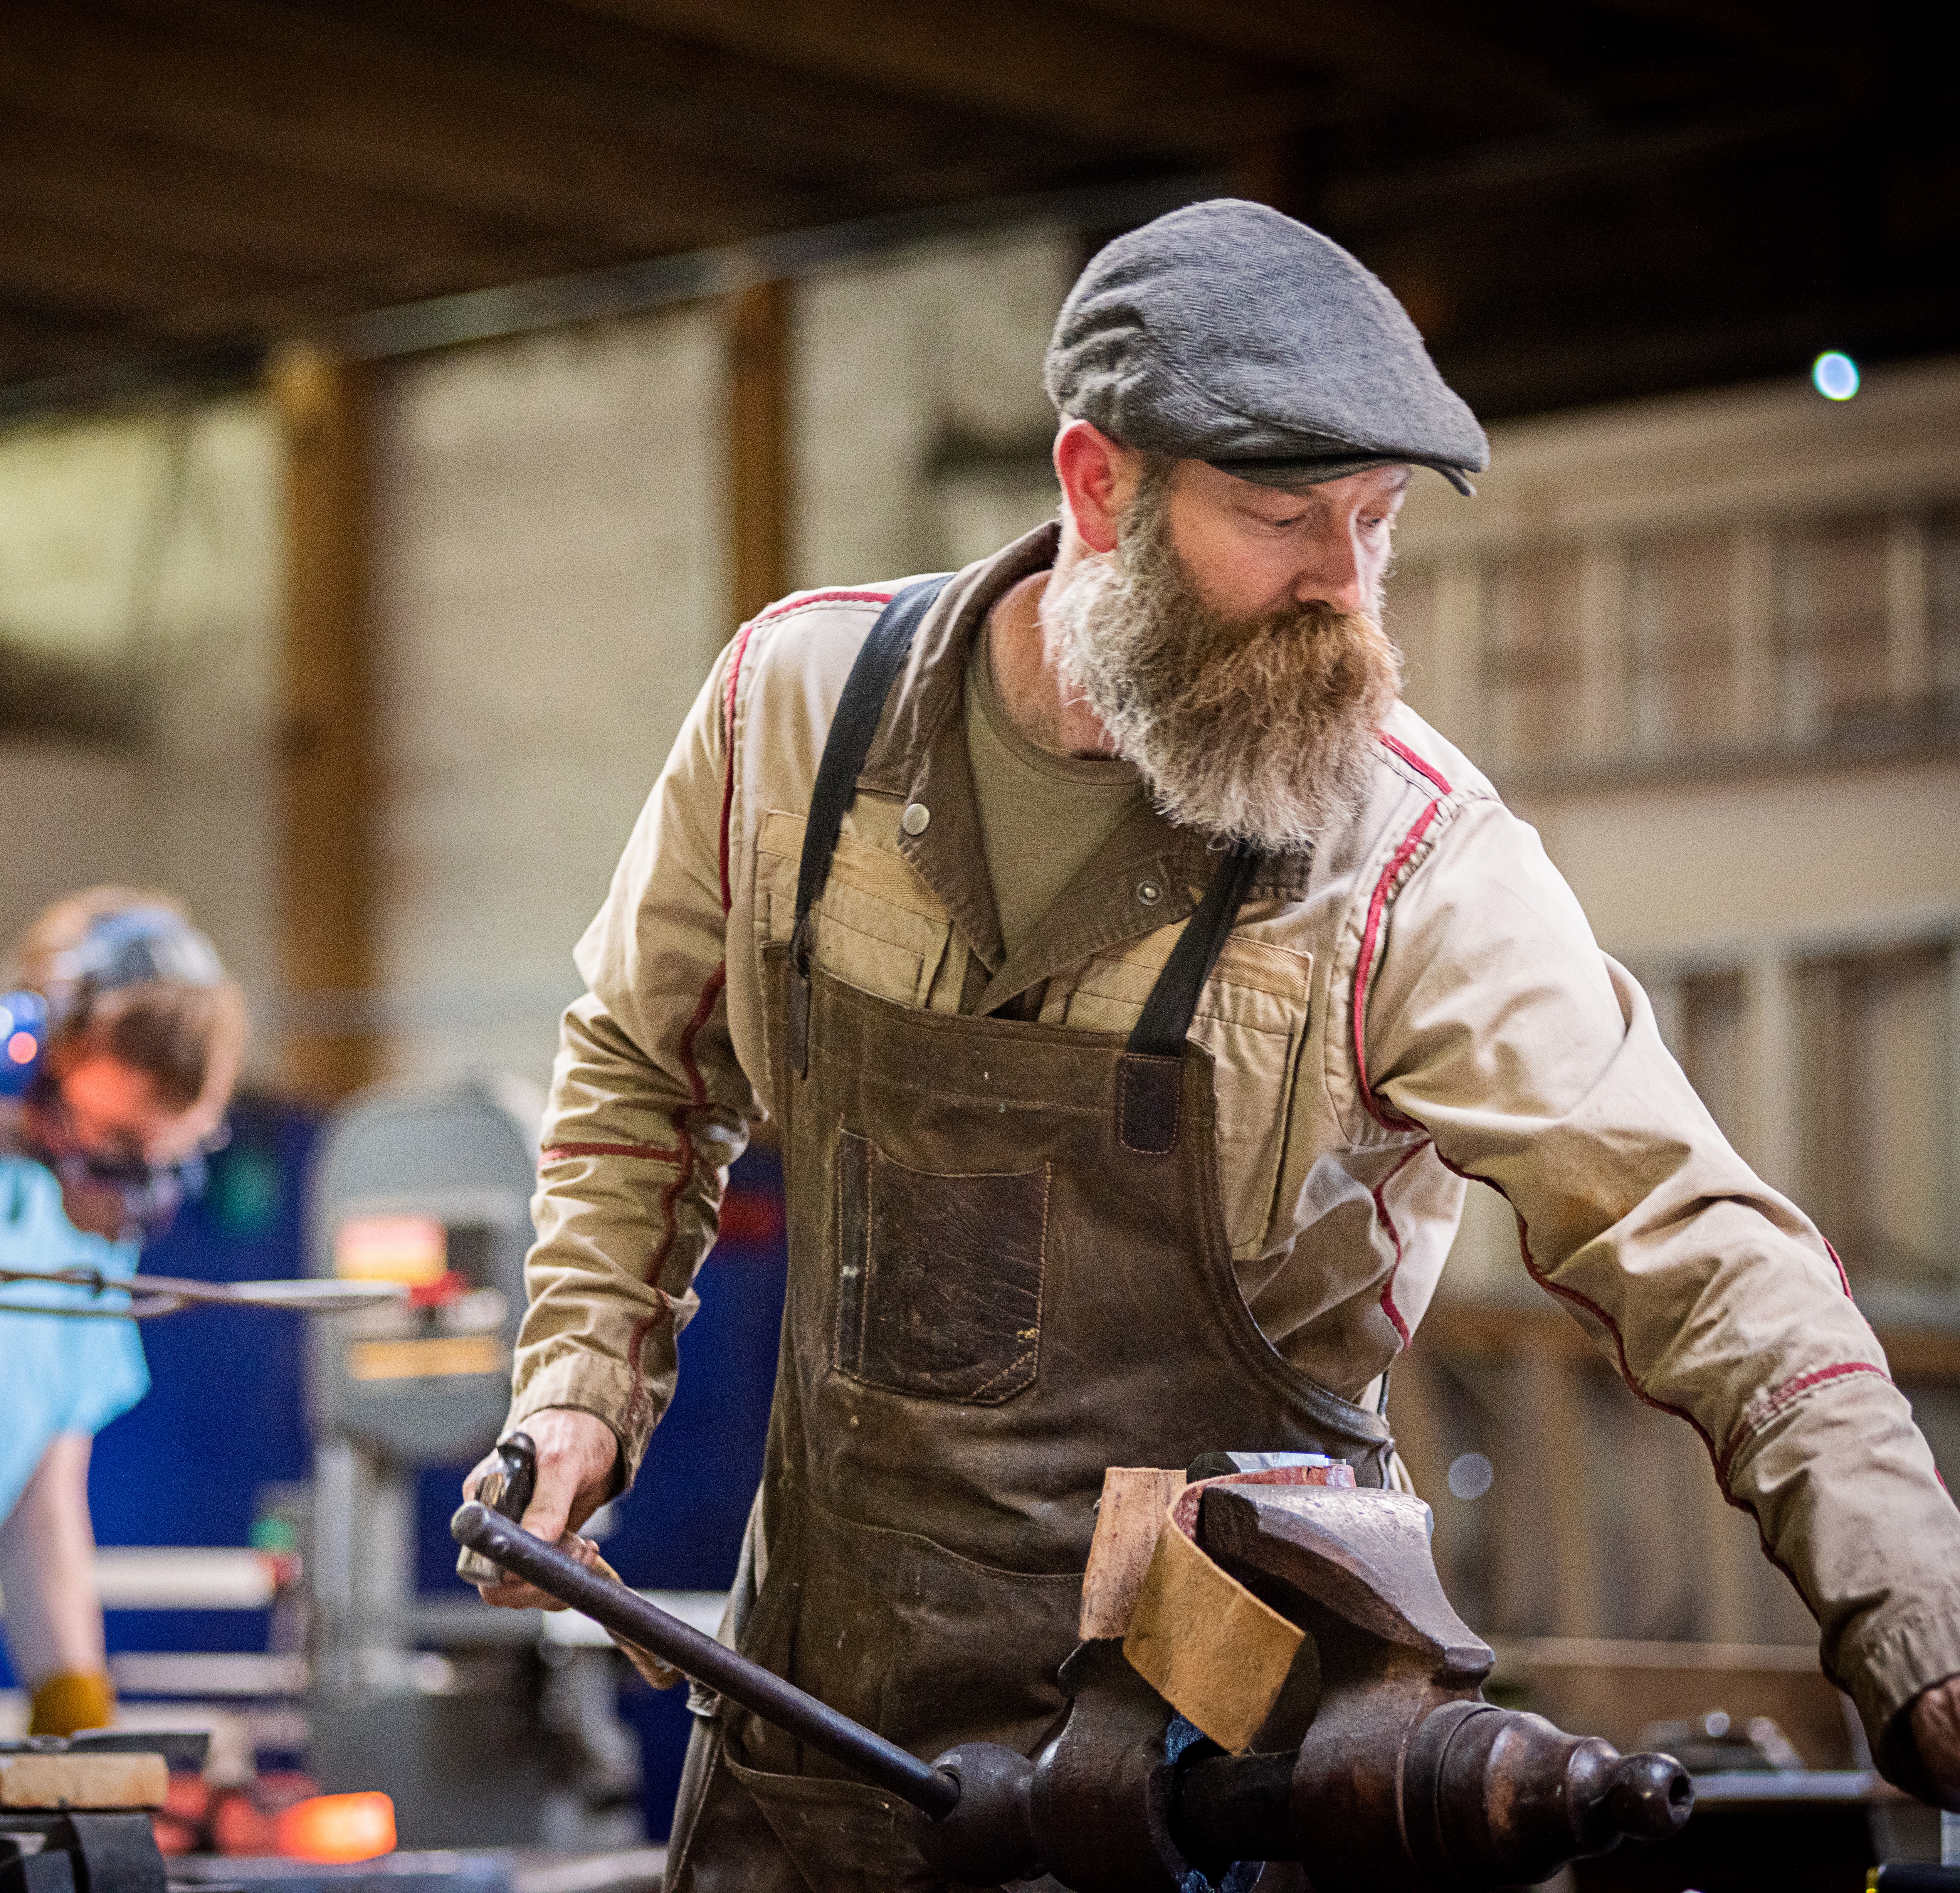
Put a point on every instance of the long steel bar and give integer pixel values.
(153, 1295)
(863, 1751)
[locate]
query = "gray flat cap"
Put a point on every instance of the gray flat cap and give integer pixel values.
(1227, 333)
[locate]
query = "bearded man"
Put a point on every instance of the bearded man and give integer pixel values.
(1136, 981)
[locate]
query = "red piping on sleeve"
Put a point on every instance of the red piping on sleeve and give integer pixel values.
(802, 598)
(1382, 1113)
(728, 765)
(1388, 1221)
(1780, 1397)
(1428, 770)
(704, 1010)
(652, 1152)
(638, 1400)
(1844, 1280)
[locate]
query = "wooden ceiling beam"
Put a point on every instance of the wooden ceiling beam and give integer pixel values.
(761, 111)
(1398, 59)
(75, 273)
(35, 340)
(262, 85)
(292, 309)
(126, 187)
(1044, 62)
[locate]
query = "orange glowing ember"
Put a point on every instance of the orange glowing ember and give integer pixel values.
(338, 1826)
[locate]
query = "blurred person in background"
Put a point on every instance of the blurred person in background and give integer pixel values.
(143, 1038)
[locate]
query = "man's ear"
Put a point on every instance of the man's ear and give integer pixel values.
(1095, 481)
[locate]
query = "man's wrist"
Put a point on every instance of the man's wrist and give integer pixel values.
(616, 1481)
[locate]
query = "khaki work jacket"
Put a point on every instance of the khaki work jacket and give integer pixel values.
(1418, 1002)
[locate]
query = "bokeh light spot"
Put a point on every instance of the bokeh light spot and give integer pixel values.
(21, 1048)
(1834, 376)
(1470, 1475)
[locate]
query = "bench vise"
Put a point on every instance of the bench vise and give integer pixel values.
(1393, 1775)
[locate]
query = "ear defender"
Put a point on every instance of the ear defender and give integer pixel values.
(24, 1039)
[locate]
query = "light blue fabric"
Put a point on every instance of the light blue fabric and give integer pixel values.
(57, 1375)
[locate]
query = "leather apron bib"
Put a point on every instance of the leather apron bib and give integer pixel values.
(1008, 1271)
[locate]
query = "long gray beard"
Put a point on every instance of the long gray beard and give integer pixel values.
(1255, 729)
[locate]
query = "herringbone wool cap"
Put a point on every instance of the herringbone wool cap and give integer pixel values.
(1227, 333)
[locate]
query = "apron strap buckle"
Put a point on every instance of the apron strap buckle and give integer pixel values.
(1150, 1098)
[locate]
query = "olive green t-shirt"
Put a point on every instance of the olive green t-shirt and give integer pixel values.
(1042, 816)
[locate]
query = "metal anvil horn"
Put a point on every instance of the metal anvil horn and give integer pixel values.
(1403, 1778)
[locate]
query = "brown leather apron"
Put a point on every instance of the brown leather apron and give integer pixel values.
(1008, 1270)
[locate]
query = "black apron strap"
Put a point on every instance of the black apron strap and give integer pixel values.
(859, 712)
(1150, 1078)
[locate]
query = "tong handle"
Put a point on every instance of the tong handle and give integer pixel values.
(506, 1489)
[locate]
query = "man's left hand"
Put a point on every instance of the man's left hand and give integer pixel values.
(1936, 1732)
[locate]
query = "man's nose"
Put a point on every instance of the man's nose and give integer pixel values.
(1334, 575)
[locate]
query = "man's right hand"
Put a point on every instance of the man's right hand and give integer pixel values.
(577, 1453)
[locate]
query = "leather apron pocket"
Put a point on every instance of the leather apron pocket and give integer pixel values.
(939, 1276)
(899, 1633)
(845, 1836)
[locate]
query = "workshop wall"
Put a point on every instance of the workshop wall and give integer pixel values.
(139, 565)
(549, 582)
(919, 431)
(552, 575)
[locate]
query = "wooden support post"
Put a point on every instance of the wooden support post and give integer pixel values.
(758, 482)
(1603, 584)
(1722, 1575)
(1555, 1395)
(1772, 1140)
(326, 762)
(1908, 640)
(1757, 715)
(1415, 1414)
(1457, 660)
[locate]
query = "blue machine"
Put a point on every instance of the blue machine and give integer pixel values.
(222, 1447)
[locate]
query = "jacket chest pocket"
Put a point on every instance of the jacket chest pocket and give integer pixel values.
(939, 1276)
(878, 927)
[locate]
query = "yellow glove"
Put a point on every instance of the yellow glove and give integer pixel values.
(81, 1699)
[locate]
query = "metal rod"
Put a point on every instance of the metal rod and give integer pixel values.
(862, 1750)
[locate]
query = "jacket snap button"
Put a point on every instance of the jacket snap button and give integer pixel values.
(915, 819)
(1149, 892)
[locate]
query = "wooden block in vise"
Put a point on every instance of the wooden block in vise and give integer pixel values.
(60, 1781)
(1134, 1500)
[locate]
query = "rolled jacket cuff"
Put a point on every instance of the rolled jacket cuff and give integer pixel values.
(1886, 1673)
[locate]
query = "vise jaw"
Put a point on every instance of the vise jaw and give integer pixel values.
(1387, 1772)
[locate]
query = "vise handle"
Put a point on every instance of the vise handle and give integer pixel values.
(630, 1616)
